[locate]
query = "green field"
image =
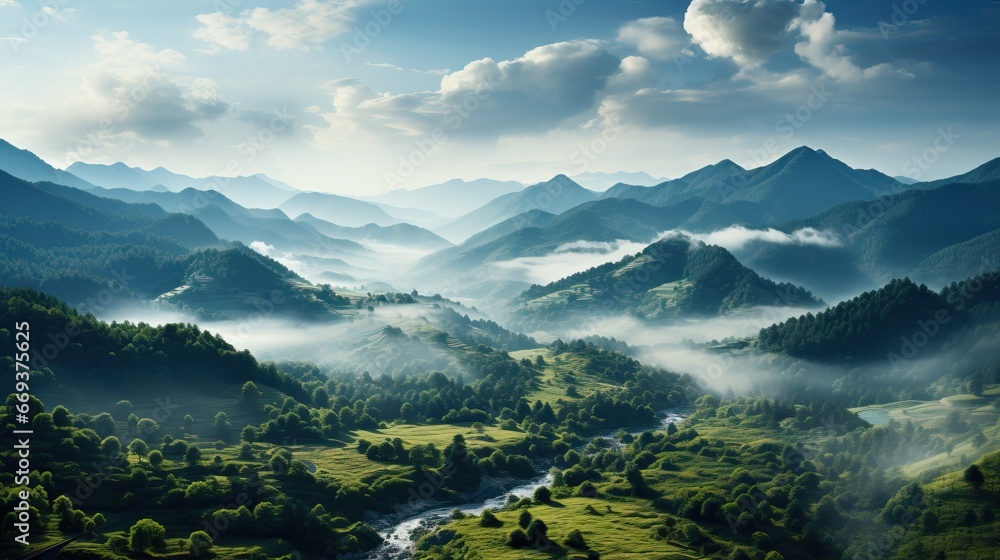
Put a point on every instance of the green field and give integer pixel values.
(619, 531)
(978, 413)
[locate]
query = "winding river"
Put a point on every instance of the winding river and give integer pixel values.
(400, 534)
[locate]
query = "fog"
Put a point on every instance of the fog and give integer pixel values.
(735, 238)
(567, 259)
(637, 332)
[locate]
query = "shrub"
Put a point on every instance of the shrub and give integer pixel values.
(575, 540)
(199, 544)
(517, 539)
(146, 534)
(542, 494)
(489, 520)
(524, 519)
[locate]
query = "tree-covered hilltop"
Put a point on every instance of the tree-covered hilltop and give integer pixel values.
(86, 353)
(900, 318)
(673, 277)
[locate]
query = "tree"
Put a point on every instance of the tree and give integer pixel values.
(222, 424)
(147, 427)
(635, 479)
(63, 507)
(479, 427)
(518, 539)
(524, 519)
(538, 532)
(250, 394)
(489, 520)
(61, 417)
(188, 422)
(542, 494)
(199, 543)
(111, 447)
(407, 411)
(424, 455)
(138, 447)
(192, 456)
(122, 409)
(155, 458)
(146, 534)
(575, 540)
(974, 475)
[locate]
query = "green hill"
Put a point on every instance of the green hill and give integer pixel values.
(674, 277)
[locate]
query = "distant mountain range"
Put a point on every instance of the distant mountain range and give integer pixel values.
(597, 181)
(800, 183)
(875, 227)
(401, 235)
(253, 191)
(340, 210)
(554, 196)
(670, 279)
(452, 198)
(100, 253)
(26, 165)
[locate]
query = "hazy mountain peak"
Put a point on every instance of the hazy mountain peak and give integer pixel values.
(27, 166)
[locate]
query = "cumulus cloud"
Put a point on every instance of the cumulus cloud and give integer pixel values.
(819, 46)
(750, 32)
(9, 4)
(130, 95)
(307, 25)
(660, 38)
(533, 93)
(136, 87)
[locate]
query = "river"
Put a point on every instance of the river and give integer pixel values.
(399, 534)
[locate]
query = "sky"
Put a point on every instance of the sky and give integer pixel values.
(359, 97)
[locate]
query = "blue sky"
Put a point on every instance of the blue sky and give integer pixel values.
(360, 96)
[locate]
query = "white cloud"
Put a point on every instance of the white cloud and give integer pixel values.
(819, 46)
(660, 38)
(748, 32)
(533, 93)
(262, 248)
(735, 238)
(434, 71)
(9, 4)
(130, 94)
(567, 259)
(223, 31)
(383, 65)
(308, 25)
